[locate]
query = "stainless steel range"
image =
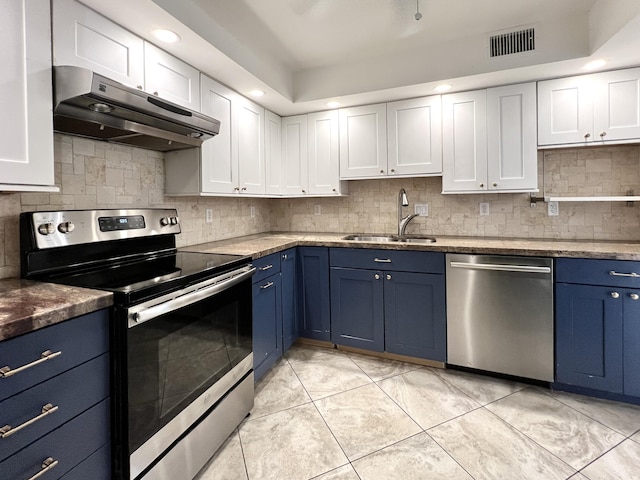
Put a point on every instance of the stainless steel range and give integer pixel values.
(181, 326)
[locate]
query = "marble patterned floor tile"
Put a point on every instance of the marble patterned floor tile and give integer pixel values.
(418, 391)
(578, 476)
(279, 389)
(294, 444)
(227, 463)
(325, 372)
(489, 449)
(345, 472)
(621, 417)
(636, 437)
(365, 420)
(565, 432)
(621, 463)
(380, 368)
(416, 458)
(482, 388)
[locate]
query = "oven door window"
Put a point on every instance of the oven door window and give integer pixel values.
(177, 356)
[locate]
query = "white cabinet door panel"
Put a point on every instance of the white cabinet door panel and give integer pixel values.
(294, 155)
(363, 141)
(323, 146)
(251, 164)
(273, 152)
(616, 106)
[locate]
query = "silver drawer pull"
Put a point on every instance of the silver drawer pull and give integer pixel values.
(382, 260)
(266, 285)
(8, 430)
(46, 355)
(616, 274)
(266, 267)
(48, 464)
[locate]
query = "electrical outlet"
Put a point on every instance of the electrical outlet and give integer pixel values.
(252, 211)
(484, 209)
(209, 215)
(553, 209)
(421, 209)
(317, 210)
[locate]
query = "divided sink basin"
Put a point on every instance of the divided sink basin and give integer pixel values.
(389, 238)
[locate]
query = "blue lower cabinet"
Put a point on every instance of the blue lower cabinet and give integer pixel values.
(357, 308)
(589, 336)
(288, 263)
(314, 317)
(631, 306)
(267, 324)
(415, 315)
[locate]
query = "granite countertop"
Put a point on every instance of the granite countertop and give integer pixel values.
(27, 305)
(263, 244)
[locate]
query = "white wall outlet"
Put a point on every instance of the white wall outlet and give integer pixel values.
(553, 209)
(209, 215)
(485, 209)
(252, 211)
(317, 210)
(421, 209)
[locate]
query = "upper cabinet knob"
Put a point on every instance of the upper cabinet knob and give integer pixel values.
(603, 134)
(381, 171)
(495, 184)
(587, 135)
(482, 185)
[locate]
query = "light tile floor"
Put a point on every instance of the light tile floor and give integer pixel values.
(330, 415)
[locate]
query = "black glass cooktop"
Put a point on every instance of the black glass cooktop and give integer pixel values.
(152, 275)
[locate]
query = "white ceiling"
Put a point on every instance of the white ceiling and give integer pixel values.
(306, 52)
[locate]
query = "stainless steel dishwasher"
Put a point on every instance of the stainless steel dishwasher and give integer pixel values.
(500, 314)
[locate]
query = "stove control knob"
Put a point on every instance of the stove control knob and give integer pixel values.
(66, 227)
(174, 220)
(164, 221)
(46, 228)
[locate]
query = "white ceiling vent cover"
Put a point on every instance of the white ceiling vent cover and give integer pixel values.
(512, 42)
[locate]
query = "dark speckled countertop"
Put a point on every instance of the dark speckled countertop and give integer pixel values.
(26, 305)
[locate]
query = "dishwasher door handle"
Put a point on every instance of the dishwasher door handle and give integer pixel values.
(500, 268)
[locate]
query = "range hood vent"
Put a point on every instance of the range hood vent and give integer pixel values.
(96, 107)
(510, 43)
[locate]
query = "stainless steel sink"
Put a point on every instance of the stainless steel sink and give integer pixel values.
(389, 238)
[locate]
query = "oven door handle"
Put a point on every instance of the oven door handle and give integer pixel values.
(187, 299)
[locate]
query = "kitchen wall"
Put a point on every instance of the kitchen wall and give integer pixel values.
(94, 174)
(100, 175)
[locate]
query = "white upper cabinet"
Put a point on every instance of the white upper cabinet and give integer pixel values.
(590, 109)
(251, 158)
(169, 78)
(273, 152)
(324, 159)
(415, 137)
(26, 124)
(489, 140)
(363, 142)
(83, 38)
(295, 178)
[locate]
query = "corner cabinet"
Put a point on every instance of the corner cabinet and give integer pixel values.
(26, 127)
(314, 318)
(489, 140)
(596, 109)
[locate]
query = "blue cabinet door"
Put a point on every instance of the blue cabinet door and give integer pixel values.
(589, 336)
(415, 318)
(632, 343)
(357, 308)
(267, 324)
(313, 296)
(289, 300)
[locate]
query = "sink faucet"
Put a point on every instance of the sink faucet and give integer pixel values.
(403, 201)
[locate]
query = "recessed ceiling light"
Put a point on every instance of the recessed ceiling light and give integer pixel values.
(595, 64)
(257, 93)
(443, 88)
(166, 36)
(333, 104)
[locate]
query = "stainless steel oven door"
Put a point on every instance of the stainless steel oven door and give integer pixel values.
(185, 351)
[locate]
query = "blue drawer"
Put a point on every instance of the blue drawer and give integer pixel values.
(73, 392)
(392, 260)
(614, 273)
(79, 340)
(266, 266)
(69, 445)
(96, 467)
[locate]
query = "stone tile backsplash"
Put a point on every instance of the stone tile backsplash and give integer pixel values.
(100, 175)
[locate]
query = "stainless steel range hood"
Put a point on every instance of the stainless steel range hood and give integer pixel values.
(93, 106)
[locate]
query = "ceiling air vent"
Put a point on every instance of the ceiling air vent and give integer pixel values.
(512, 42)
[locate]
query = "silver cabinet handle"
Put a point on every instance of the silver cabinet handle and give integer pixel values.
(376, 276)
(266, 285)
(617, 274)
(388, 277)
(6, 371)
(500, 267)
(382, 260)
(615, 294)
(266, 267)
(8, 430)
(48, 464)
(634, 296)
